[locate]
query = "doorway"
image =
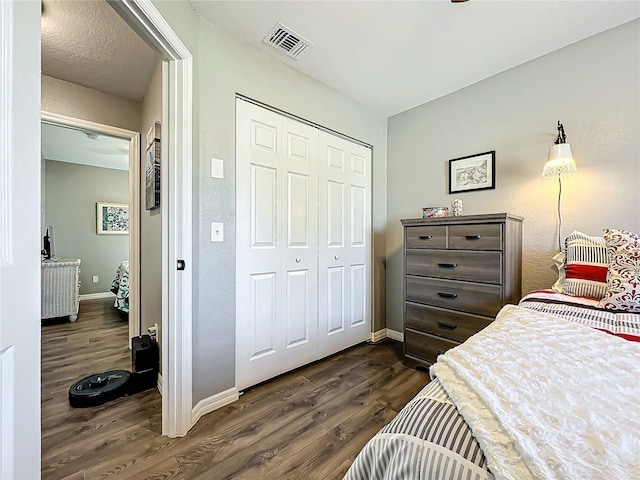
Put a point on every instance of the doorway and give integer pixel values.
(133, 140)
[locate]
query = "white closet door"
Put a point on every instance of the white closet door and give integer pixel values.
(300, 243)
(276, 250)
(258, 255)
(344, 305)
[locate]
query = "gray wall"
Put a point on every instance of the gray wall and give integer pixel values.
(85, 103)
(71, 193)
(150, 220)
(592, 86)
(224, 66)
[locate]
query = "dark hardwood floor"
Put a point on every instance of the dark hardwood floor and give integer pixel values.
(307, 424)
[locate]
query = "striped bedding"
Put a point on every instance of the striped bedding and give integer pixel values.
(584, 311)
(430, 439)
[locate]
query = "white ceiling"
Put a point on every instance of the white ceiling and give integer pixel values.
(395, 55)
(87, 43)
(388, 55)
(74, 146)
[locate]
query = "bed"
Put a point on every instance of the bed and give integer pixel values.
(120, 287)
(550, 389)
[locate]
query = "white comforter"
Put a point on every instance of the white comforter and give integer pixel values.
(547, 398)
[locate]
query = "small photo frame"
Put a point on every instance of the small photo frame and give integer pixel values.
(112, 218)
(435, 212)
(473, 172)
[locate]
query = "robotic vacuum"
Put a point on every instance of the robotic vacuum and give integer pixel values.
(99, 388)
(103, 387)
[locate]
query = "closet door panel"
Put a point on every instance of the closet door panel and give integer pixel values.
(297, 210)
(296, 306)
(335, 300)
(335, 214)
(299, 199)
(264, 196)
(263, 315)
(259, 275)
(358, 220)
(345, 230)
(358, 294)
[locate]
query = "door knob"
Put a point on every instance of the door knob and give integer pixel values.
(298, 259)
(336, 257)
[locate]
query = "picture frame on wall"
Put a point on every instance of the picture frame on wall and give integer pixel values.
(152, 168)
(112, 218)
(473, 172)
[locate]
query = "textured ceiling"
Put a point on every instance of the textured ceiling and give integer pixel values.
(395, 55)
(87, 43)
(74, 146)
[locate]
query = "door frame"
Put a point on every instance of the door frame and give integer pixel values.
(134, 202)
(176, 200)
(20, 232)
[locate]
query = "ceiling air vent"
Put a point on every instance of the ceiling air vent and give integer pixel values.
(287, 41)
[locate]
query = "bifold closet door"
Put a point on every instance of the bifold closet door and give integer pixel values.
(344, 303)
(276, 244)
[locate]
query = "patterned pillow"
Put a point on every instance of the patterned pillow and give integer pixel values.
(585, 266)
(623, 276)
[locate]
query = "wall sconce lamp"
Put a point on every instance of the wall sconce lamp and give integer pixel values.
(560, 162)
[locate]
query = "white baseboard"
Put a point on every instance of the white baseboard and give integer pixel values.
(160, 383)
(379, 335)
(95, 296)
(395, 335)
(212, 403)
(386, 333)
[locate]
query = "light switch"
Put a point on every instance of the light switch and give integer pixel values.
(217, 232)
(217, 168)
(95, 279)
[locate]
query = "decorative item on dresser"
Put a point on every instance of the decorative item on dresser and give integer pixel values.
(459, 272)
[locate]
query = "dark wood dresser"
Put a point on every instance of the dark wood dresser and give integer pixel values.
(458, 273)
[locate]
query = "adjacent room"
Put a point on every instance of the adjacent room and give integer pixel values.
(390, 239)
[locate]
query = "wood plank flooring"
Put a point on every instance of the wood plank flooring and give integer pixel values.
(307, 424)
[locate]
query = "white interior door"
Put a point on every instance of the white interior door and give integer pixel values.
(276, 249)
(19, 240)
(344, 305)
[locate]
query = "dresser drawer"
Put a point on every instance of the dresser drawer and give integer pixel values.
(456, 264)
(425, 346)
(445, 323)
(482, 299)
(476, 237)
(426, 237)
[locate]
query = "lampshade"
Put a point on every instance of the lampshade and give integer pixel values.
(560, 161)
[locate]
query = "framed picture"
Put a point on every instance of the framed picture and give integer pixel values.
(474, 172)
(152, 168)
(112, 218)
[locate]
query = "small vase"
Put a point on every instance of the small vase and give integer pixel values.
(456, 207)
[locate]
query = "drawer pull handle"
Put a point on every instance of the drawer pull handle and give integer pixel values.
(450, 326)
(425, 237)
(473, 237)
(447, 295)
(440, 352)
(447, 265)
